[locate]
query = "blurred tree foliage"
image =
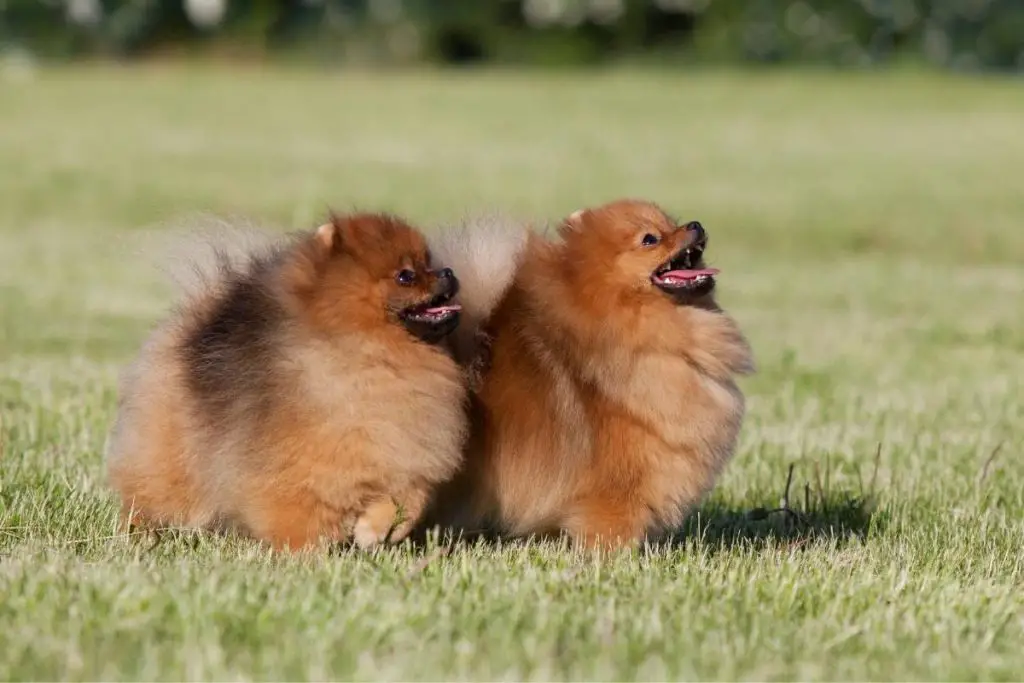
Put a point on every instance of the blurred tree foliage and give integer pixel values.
(963, 34)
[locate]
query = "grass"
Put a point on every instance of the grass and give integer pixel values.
(869, 228)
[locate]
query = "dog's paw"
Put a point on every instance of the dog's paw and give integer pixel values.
(366, 535)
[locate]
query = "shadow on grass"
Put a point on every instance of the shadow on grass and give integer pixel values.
(838, 518)
(805, 514)
(800, 516)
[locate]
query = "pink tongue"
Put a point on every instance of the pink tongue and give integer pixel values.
(443, 309)
(682, 275)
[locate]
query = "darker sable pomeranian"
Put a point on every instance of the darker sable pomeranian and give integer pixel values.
(300, 396)
(605, 401)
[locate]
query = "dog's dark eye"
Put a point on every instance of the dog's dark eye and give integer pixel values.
(405, 277)
(649, 240)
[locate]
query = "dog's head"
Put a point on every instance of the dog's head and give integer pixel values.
(365, 269)
(632, 245)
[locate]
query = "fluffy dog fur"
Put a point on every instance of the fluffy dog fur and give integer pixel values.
(289, 397)
(606, 406)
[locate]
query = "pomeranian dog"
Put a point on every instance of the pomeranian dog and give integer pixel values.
(605, 401)
(300, 395)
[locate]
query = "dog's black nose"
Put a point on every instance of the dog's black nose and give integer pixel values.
(698, 234)
(447, 283)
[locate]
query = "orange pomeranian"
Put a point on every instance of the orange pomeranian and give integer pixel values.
(300, 396)
(605, 403)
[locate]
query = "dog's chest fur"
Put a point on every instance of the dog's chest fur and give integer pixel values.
(680, 405)
(408, 412)
(683, 427)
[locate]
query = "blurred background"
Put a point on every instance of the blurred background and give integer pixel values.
(955, 34)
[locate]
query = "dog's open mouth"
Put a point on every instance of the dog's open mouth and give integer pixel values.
(436, 310)
(685, 273)
(434, 319)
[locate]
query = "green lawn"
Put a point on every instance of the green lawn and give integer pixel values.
(870, 229)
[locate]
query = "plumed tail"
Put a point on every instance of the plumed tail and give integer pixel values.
(203, 251)
(484, 252)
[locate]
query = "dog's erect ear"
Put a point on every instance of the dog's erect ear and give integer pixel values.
(305, 266)
(325, 234)
(574, 222)
(330, 235)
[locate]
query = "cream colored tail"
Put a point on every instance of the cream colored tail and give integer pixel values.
(484, 252)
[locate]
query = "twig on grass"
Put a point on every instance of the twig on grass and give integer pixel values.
(789, 482)
(791, 514)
